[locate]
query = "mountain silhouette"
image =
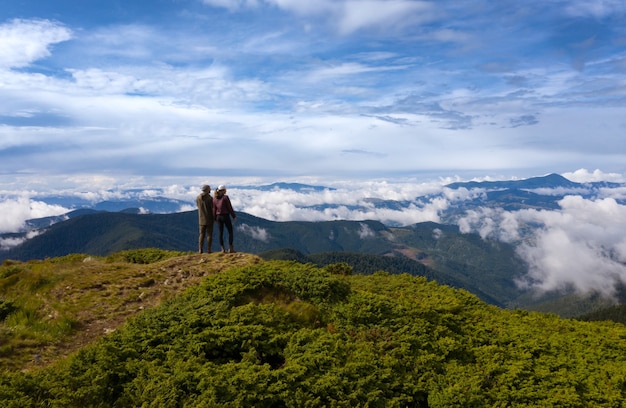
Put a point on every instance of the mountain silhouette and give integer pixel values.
(549, 181)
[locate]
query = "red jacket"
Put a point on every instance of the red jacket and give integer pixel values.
(222, 206)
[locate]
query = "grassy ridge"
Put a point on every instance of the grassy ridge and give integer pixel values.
(286, 334)
(52, 307)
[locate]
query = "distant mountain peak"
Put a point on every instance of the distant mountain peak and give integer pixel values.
(551, 180)
(292, 186)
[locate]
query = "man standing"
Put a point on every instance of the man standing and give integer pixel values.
(204, 201)
(222, 211)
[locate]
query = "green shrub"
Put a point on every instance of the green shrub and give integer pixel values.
(143, 256)
(340, 268)
(70, 258)
(6, 308)
(283, 334)
(8, 269)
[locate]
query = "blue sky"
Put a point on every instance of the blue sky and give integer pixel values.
(134, 92)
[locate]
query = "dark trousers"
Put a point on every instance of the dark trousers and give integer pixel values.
(205, 231)
(224, 220)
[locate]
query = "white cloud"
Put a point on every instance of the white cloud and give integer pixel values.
(348, 16)
(493, 223)
(349, 201)
(258, 233)
(586, 176)
(8, 243)
(437, 233)
(330, 73)
(581, 246)
(560, 191)
(232, 5)
(618, 193)
(122, 112)
(594, 8)
(365, 231)
(14, 212)
(359, 14)
(105, 82)
(26, 41)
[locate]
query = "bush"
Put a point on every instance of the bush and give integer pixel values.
(8, 270)
(6, 308)
(340, 268)
(143, 256)
(283, 334)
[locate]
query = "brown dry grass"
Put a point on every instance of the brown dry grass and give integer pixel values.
(95, 295)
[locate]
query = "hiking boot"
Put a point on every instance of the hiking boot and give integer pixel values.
(232, 250)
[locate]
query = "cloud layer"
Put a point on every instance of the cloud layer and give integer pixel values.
(354, 89)
(579, 246)
(582, 246)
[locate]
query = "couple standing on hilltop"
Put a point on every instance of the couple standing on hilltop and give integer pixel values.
(215, 209)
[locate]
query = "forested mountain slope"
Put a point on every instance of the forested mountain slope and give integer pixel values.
(440, 252)
(366, 264)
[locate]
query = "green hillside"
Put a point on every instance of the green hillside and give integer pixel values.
(104, 233)
(286, 334)
(50, 308)
(484, 267)
(616, 313)
(367, 264)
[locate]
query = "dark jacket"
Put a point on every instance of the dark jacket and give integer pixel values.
(205, 208)
(222, 206)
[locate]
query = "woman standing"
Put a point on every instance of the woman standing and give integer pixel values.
(222, 211)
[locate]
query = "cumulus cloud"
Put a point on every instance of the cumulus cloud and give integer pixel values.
(353, 201)
(493, 223)
(14, 212)
(25, 41)
(437, 233)
(586, 176)
(258, 233)
(10, 242)
(581, 246)
(365, 231)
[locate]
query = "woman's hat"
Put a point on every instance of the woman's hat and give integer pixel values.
(221, 187)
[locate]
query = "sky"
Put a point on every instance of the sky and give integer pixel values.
(134, 91)
(376, 98)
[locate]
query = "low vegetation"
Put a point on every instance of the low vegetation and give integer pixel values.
(287, 334)
(50, 308)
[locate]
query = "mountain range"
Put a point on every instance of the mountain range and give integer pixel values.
(535, 192)
(488, 268)
(457, 256)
